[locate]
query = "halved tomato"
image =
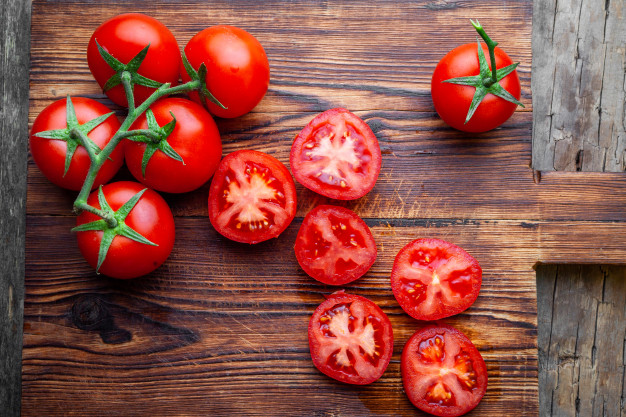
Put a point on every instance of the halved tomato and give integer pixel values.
(336, 155)
(252, 197)
(350, 339)
(442, 371)
(433, 279)
(334, 245)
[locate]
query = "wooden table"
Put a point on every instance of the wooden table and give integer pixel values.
(221, 327)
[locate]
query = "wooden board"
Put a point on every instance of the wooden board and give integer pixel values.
(221, 327)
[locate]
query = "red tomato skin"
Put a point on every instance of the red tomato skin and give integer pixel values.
(337, 298)
(368, 251)
(443, 311)
(239, 72)
(452, 101)
(124, 36)
(151, 217)
(195, 138)
(409, 380)
(49, 154)
(352, 191)
(278, 169)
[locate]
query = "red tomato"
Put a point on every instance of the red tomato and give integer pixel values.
(151, 217)
(350, 339)
(124, 36)
(195, 139)
(238, 70)
(252, 197)
(334, 245)
(452, 101)
(50, 154)
(433, 279)
(442, 371)
(336, 155)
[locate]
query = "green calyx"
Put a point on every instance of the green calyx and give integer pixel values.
(200, 76)
(75, 134)
(488, 81)
(112, 224)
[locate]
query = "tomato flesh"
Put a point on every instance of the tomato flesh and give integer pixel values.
(252, 197)
(336, 155)
(334, 245)
(442, 371)
(350, 339)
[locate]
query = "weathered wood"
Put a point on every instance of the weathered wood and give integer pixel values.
(14, 59)
(582, 328)
(578, 83)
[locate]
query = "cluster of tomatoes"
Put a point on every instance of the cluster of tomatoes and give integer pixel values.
(125, 229)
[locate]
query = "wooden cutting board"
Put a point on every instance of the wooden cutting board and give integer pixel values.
(220, 328)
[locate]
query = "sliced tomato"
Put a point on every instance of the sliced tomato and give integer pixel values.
(350, 339)
(336, 155)
(252, 197)
(442, 371)
(433, 279)
(334, 245)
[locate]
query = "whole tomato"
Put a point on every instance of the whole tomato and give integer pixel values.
(238, 70)
(195, 139)
(50, 155)
(150, 217)
(124, 36)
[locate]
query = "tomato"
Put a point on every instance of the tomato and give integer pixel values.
(50, 154)
(433, 279)
(150, 217)
(124, 36)
(252, 197)
(442, 371)
(350, 339)
(238, 70)
(452, 101)
(195, 139)
(334, 245)
(336, 155)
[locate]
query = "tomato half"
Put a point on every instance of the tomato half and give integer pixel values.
(433, 279)
(252, 197)
(350, 339)
(336, 155)
(151, 217)
(452, 101)
(442, 371)
(124, 36)
(195, 139)
(334, 245)
(50, 154)
(238, 70)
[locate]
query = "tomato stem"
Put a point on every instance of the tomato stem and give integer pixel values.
(128, 89)
(107, 217)
(491, 44)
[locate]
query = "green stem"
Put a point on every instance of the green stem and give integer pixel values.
(128, 89)
(492, 55)
(85, 141)
(107, 217)
(142, 132)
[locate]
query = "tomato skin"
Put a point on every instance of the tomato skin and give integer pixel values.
(263, 189)
(452, 101)
(421, 359)
(345, 245)
(324, 159)
(124, 36)
(363, 369)
(195, 138)
(432, 279)
(151, 217)
(49, 154)
(239, 72)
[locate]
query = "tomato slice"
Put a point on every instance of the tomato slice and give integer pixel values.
(334, 245)
(350, 339)
(442, 371)
(336, 155)
(433, 279)
(252, 197)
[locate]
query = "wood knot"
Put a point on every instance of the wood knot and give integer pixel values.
(90, 313)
